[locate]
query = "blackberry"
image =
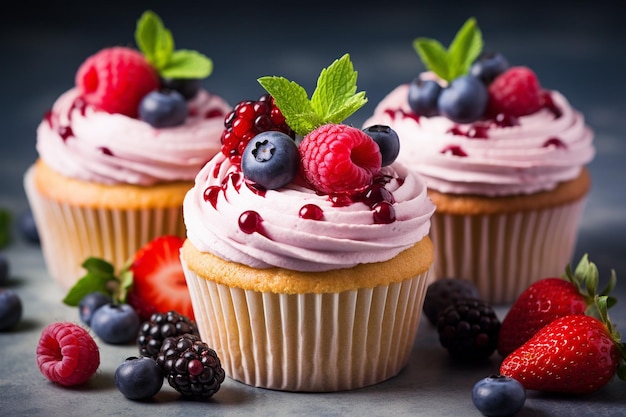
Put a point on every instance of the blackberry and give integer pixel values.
(153, 332)
(445, 291)
(468, 329)
(191, 367)
(247, 119)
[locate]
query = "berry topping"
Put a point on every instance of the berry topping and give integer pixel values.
(116, 79)
(498, 395)
(10, 309)
(446, 291)
(488, 66)
(115, 323)
(270, 160)
(468, 329)
(139, 378)
(163, 108)
(423, 97)
(516, 92)
(464, 100)
(191, 367)
(248, 119)
(387, 140)
(153, 332)
(90, 303)
(339, 158)
(311, 212)
(67, 354)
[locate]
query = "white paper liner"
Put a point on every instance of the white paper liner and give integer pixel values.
(503, 254)
(309, 342)
(70, 234)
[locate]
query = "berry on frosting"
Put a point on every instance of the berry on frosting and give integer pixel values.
(339, 158)
(516, 92)
(116, 79)
(387, 140)
(270, 160)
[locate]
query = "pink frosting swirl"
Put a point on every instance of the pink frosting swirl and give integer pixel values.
(487, 158)
(345, 236)
(81, 142)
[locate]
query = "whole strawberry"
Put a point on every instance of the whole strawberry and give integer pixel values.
(551, 298)
(574, 354)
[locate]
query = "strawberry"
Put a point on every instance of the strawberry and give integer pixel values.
(159, 283)
(574, 354)
(548, 299)
(515, 92)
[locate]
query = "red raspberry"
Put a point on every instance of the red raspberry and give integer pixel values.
(116, 79)
(247, 119)
(515, 92)
(339, 158)
(67, 354)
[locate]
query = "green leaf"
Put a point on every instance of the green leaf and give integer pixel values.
(333, 100)
(98, 278)
(293, 102)
(187, 64)
(5, 227)
(98, 266)
(456, 60)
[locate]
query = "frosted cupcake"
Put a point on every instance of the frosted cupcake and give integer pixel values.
(119, 151)
(302, 280)
(504, 160)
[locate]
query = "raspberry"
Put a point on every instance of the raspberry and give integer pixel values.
(339, 158)
(247, 119)
(515, 92)
(468, 329)
(116, 79)
(191, 367)
(161, 326)
(67, 354)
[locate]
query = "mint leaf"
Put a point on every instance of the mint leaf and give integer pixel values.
(455, 61)
(100, 274)
(156, 42)
(187, 64)
(333, 100)
(5, 227)
(293, 102)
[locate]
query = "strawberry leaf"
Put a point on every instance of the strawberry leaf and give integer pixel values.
(455, 61)
(333, 100)
(156, 42)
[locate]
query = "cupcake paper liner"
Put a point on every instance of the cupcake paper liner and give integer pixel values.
(70, 234)
(503, 254)
(309, 342)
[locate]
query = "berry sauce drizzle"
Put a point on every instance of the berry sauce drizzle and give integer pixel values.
(311, 212)
(556, 142)
(250, 221)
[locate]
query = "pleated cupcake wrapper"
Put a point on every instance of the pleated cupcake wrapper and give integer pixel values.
(505, 253)
(70, 234)
(309, 342)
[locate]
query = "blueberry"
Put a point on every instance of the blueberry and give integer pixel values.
(139, 378)
(498, 395)
(187, 87)
(387, 140)
(90, 303)
(270, 160)
(423, 96)
(4, 269)
(115, 323)
(488, 66)
(166, 108)
(464, 100)
(27, 227)
(10, 309)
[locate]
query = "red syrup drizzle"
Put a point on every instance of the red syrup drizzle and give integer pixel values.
(212, 113)
(211, 194)
(311, 212)
(250, 221)
(375, 196)
(455, 150)
(106, 151)
(548, 103)
(556, 142)
(392, 114)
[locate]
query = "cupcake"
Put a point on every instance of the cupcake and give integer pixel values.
(307, 260)
(118, 151)
(504, 160)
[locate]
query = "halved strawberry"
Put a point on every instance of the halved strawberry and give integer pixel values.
(159, 283)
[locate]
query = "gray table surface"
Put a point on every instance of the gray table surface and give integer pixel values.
(577, 49)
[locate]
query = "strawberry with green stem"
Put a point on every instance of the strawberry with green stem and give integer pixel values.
(551, 298)
(574, 354)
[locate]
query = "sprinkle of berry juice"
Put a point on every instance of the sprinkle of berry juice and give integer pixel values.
(250, 222)
(311, 212)
(383, 213)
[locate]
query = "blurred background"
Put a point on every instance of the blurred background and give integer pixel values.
(576, 47)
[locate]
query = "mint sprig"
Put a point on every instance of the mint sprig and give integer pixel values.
(100, 277)
(456, 60)
(156, 42)
(334, 99)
